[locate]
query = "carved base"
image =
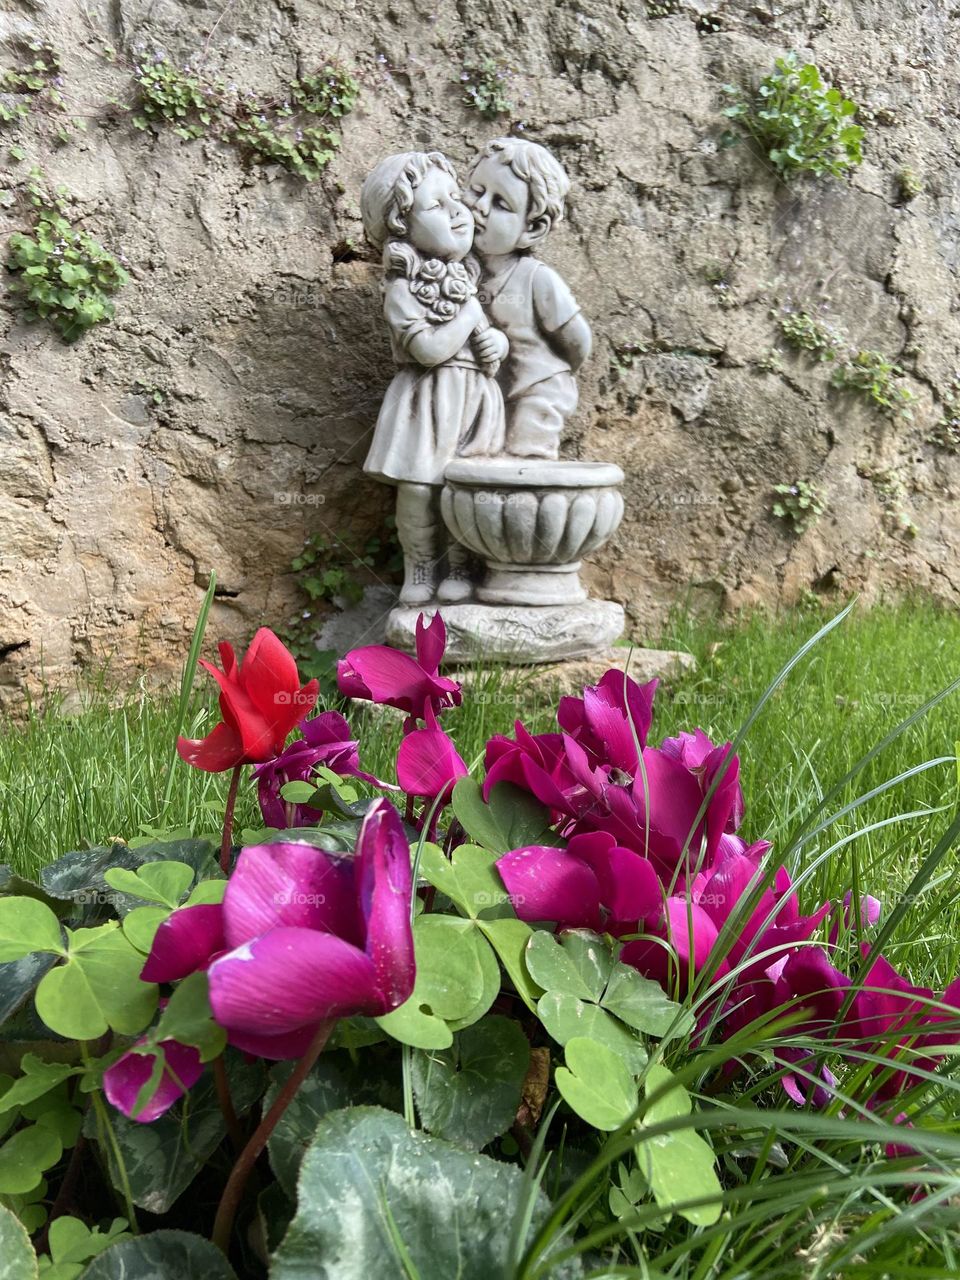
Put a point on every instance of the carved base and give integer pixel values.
(518, 634)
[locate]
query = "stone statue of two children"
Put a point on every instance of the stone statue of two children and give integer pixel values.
(485, 335)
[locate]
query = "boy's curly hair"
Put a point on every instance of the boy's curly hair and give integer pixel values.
(544, 175)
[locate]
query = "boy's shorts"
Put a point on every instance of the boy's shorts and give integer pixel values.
(535, 419)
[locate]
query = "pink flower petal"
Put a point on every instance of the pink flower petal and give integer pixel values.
(428, 764)
(123, 1081)
(283, 1048)
(385, 886)
(292, 977)
(297, 885)
(549, 884)
(185, 942)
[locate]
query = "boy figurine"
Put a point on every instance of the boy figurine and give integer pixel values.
(516, 192)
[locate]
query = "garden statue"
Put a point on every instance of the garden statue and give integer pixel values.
(487, 339)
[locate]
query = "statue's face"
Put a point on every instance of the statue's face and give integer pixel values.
(439, 223)
(498, 200)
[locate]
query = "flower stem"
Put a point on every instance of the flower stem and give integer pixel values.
(233, 1191)
(226, 1103)
(228, 820)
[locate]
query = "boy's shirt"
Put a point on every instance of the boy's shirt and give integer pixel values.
(528, 300)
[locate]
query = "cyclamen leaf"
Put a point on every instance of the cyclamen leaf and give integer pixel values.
(161, 1255)
(469, 1093)
(17, 1258)
(372, 1192)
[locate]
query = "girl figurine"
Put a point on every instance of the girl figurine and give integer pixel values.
(444, 400)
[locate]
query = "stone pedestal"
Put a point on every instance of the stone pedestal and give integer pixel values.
(516, 634)
(531, 521)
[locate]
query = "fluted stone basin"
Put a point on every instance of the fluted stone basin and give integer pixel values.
(532, 522)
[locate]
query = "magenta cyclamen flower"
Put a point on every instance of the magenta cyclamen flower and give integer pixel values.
(428, 764)
(592, 884)
(611, 721)
(381, 674)
(326, 740)
(302, 936)
(692, 922)
(123, 1081)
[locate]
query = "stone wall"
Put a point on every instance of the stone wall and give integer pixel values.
(253, 309)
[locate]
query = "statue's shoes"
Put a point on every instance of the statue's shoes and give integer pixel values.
(455, 590)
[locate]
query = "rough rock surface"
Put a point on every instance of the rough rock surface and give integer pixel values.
(253, 310)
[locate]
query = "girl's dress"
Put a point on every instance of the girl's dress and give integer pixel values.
(430, 416)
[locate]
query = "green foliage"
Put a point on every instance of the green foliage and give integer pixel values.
(625, 355)
(19, 1259)
(872, 375)
(404, 1202)
(71, 1244)
(800, 505)
(890, 490)
(588, 993)
(597, 1084)
(678, 1166)
(161, 1254)
(909, 184)
(169, 95)
(34, 86)
(265, 130)
(329, 570)
(802, 124)
(946, 431)
(486, 86)
(809, 333)
(60, 271)
(457, 981)
(869, 374)
(470, 1092)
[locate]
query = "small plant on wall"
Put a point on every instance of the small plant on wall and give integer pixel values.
(798, 505)
(485, 84)
(60, 271)
(801, 123)
(868, 374)
(294, 131)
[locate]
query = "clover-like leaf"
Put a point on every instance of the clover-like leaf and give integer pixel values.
(597, 1084)
(98, 987)
(27, 925)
